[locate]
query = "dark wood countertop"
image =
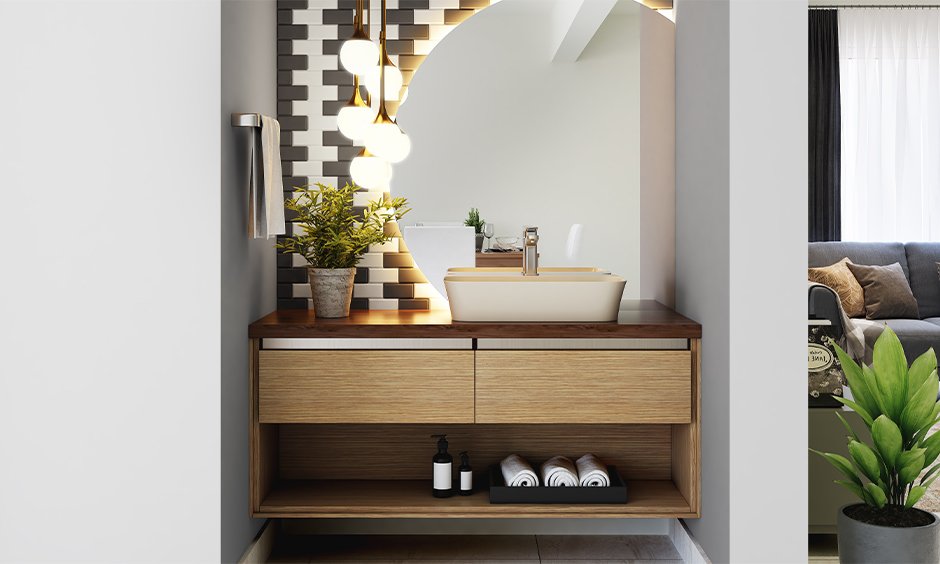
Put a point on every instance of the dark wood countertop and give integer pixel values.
(638, 319)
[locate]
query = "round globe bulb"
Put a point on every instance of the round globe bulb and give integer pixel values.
(393, 82)
(399, 148)
(371, 172)
(387, 141)
(378, 136)
(354, 121)
(359, 55)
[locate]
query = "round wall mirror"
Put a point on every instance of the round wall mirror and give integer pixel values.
(502, 123)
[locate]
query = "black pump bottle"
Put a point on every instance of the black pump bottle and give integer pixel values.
(466, 474)
(443, 468)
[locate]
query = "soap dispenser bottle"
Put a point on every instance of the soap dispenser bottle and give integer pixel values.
(443, 468)
(466, 474)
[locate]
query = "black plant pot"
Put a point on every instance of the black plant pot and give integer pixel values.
(479, 242)
(861, 543)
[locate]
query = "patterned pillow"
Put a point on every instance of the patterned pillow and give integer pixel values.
(838, 277)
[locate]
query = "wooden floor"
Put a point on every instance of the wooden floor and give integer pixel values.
(516, 549)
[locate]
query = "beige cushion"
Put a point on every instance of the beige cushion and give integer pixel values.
(887, 291)
(838, 277)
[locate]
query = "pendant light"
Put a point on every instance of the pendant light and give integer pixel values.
(370, 172)
(359, 54)
(356, 116)
(393, 79)
(383, 138)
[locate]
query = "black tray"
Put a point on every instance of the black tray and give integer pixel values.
(501, 493)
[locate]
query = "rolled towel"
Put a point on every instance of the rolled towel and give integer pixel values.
(560, 471)
(517, 473)
(592, 472)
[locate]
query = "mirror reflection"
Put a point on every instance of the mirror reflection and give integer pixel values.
(507, 132)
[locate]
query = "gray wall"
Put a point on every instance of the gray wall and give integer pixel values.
(249, 69)
(740, 266)
(657, 158)
(767, 340)
(703, 239)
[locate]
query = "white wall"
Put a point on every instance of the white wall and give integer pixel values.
(249, 81)
(741, 255)
(496, 124)
(109, 299)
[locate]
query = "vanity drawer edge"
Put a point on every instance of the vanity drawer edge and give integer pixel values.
(603, 386)
(353, 386)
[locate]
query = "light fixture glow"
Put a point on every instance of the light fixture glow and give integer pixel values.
(353, 121)
(359, 54)
(370, 172)
(356, 116)
(385, 140)
(393, 80)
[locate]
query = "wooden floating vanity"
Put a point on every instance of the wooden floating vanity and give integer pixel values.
(342, 410)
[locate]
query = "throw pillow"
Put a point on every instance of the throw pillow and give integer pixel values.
(838, 277)
(887, 291)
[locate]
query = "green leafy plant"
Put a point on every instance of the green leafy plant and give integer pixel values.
(334, 236)
(473, 220)
(899, 407)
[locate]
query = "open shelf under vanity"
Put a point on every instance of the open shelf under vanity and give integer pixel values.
(412, 499)
(342, 431)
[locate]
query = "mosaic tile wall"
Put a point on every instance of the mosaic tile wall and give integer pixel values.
(312, 87)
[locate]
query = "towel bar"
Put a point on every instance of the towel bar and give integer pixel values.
(246, 120)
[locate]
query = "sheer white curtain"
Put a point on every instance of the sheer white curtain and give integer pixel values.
(890, 81)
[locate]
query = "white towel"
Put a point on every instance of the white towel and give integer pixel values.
(266, 188)
(517, 473)
(592, 472)
(559, 471)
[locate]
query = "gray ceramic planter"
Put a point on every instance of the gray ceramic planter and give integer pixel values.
(479, 242)
(861, 543)
(332, 290)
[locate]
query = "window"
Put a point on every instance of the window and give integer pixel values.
(890, 95)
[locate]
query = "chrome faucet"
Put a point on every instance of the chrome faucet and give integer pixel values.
(530, 250)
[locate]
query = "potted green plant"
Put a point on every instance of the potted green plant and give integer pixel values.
(473, 220)
(891, 471)
(334, 239)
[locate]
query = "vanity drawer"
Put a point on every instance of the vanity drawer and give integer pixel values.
(584, 386)
(396, 386)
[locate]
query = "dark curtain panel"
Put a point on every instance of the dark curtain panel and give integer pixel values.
(825, 127)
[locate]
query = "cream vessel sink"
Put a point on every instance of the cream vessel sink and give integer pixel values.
(513, 271)
(581, 296)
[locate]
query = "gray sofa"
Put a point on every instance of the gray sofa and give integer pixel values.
(919, 262)
(825, 432)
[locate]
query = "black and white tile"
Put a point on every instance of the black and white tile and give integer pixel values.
(312, 87)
